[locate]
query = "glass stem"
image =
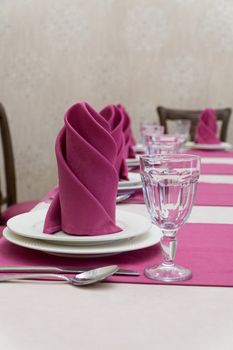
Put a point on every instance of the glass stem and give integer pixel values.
(168, 244)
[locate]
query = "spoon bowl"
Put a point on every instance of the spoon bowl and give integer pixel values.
(95, 275)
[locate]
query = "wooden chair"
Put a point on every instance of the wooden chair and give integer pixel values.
(8, 194)
(166, 114)
(8, 197)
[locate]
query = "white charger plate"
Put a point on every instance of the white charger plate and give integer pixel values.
(221, 146)
(31, 225)
(134, 182)
(145, 240)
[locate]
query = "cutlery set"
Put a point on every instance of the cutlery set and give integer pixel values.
(59, 270)
(82, 279)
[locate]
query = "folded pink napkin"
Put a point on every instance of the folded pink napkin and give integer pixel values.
(206, 130)
(129, 138)
(115, 118)
(86, 154)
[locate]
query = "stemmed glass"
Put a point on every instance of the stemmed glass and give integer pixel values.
(161, 148)
(182, 129)
(160, 145)
(169, 187)
(150, 127)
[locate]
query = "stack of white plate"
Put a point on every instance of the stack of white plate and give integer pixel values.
(134, 182)
(26, 230)
(133, 162)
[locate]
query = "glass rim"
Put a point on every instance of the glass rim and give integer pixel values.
(165, 142)
(154, 122)
(177, 157)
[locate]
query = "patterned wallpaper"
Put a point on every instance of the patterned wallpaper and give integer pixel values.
(142, 53)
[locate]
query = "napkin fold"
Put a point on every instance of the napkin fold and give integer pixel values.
(86, 154)
(115, 119)
(206, 130)
(128, 133)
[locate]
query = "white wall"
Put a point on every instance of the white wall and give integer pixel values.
(177, 53)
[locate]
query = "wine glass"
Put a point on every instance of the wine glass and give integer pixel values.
(159, 145)
(150, 127)
(182, 129)
(169, 187)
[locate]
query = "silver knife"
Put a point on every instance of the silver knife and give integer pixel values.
(54, 269)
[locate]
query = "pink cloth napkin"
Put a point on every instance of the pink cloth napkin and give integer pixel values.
(86, 153)
(207, 249)
(1, 229)
(206, 129)
(115, 118)
(129, 138)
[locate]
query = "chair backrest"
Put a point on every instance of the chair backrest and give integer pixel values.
(166, 114)
(8, 196)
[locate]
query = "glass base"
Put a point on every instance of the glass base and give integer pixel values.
(168, 273)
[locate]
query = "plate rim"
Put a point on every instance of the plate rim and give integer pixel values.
(130, 187)
(221, 146)
(85, 240)
(133, 185)
(131, 182)
(145, 240)
(133, 161)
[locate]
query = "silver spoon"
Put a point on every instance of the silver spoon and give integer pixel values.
(81, 279)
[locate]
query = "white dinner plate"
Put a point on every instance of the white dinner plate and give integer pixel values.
(133, 161)
(145, 240)
(221, 146)
(139, 147)
(31, 225)
(134, 182)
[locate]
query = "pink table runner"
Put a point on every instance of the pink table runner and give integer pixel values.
(217, 169)
(214, 194)
(214, 154)
(207, 249)
(214, 169)
(207, 169)
(209, 194)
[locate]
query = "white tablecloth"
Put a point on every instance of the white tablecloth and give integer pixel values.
(119, 316)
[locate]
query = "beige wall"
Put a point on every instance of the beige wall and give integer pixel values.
(142, 53)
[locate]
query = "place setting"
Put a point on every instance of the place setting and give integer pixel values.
(80, 217)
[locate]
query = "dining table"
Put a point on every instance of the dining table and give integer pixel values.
(136, 312)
